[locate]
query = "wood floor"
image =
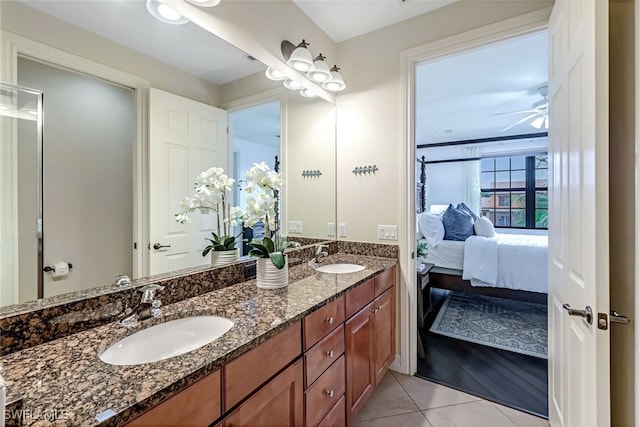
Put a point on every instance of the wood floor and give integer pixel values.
(502, 376)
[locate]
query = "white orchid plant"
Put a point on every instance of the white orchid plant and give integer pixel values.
(212, 194)
(262, 186)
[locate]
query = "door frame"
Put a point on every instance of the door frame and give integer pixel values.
(14, 46)
(407, 360)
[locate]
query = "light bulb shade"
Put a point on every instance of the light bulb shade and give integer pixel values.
(301, 59)
(308, 93)
(320, 72)
(205, 3)
(336, 83)
(292, 84)
(274, 74)
(164, 13)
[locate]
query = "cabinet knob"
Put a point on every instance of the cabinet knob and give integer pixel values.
(329, 393)
(375, 310)
(330, 354)
(330, 320)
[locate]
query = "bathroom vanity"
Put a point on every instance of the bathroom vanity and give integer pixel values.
(309, 354)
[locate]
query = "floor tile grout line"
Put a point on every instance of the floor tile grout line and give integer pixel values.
(466, 403)
(388, 415)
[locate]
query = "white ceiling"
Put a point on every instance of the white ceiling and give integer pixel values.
(345, 19)
(457, 96)
(186, 47)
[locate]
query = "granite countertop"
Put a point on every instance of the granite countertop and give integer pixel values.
(63, 382)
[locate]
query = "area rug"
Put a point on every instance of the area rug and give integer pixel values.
(496, 322)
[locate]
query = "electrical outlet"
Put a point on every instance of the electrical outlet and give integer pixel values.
(388, 232)
(342, 229)
(331, 229)
(295, 227)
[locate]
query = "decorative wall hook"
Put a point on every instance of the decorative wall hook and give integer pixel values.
(311, 173)
(359, 170)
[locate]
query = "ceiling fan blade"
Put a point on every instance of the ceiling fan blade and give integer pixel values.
(520, 121)
(515, 112)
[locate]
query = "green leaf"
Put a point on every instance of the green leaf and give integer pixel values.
(215, 237)
(277, 258)
(268, 243)
(206, 250)
(255, 253)
(228, 242)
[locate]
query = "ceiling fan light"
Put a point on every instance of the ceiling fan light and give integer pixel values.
(336, 83)
(164, 13)
(538, 122)
(205, 3)
(320, 72)
(274, 74)
(292, 84)
(301, 59)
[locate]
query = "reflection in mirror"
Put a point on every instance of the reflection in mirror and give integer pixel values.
(106, 201)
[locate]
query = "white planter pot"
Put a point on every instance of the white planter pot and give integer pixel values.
(268, 276)
(219, 258)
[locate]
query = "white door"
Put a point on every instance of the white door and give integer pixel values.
(579, 222)
(186, 137)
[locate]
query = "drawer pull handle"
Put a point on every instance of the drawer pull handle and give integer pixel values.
(375, 310)
(330, 320)
(329, 393)
(330, 354)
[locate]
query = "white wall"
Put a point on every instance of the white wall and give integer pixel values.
(89, 134)
(446, 183)
(369, 121)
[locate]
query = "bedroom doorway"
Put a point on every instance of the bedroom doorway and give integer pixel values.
(481, 194)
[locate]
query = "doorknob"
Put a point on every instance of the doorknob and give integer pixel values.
(157, 246)
(587, 313)
(614, 317)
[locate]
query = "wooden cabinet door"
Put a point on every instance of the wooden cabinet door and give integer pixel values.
(359, 356)
(383, 335)
(278, 403)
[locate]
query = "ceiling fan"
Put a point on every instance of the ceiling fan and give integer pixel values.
(538, 114)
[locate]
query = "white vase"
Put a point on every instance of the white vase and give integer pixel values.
(219, 258)
(268, 276)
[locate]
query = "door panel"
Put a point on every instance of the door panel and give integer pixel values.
(186, 138)
(579, 221)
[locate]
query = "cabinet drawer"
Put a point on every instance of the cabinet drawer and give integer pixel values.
(246, 373)
(336, 416)
(197, 405)
(322, 321)
(359, 296)
(323, 354)
(324, 393)
(385, 280)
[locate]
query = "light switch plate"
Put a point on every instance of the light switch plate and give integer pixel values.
(295, 227)
(331, 229)
(388, 232)
(342, 229)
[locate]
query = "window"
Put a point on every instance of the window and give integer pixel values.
(514, 190)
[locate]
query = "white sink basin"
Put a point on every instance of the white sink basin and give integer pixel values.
(166, 340)
(340, 268)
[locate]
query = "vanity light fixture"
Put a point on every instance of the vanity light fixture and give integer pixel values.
(292, 84)
(320, 72)
(300, 59)
(274, 74)
(336, 83)
(162, 12)
(308, 93)
(205, 3)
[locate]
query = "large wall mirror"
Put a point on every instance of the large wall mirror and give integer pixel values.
(105, 69)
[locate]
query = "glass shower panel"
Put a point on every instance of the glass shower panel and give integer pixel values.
(20, 194)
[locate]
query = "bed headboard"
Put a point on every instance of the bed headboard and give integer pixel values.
(421, 194)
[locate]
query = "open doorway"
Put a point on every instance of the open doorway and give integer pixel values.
(255, 138)
(481, 202)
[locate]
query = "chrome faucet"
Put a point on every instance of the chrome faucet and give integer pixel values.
(148, 307)
(320, 253)
(121, 280)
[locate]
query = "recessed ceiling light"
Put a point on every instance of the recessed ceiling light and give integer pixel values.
(164, 13)
(205, 3)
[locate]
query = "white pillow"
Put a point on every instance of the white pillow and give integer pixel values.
(483, 227)
(432, 228)
(418, 233)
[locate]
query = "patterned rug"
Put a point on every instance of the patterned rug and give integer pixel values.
(495, 322)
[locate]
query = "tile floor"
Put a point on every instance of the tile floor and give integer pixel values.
(406, 401)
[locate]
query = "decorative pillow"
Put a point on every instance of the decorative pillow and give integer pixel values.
(484, 227)
(419, 234)
(458, 224)
(467, 209)
(431, 227)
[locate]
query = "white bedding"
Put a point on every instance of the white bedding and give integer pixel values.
(513, 261)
